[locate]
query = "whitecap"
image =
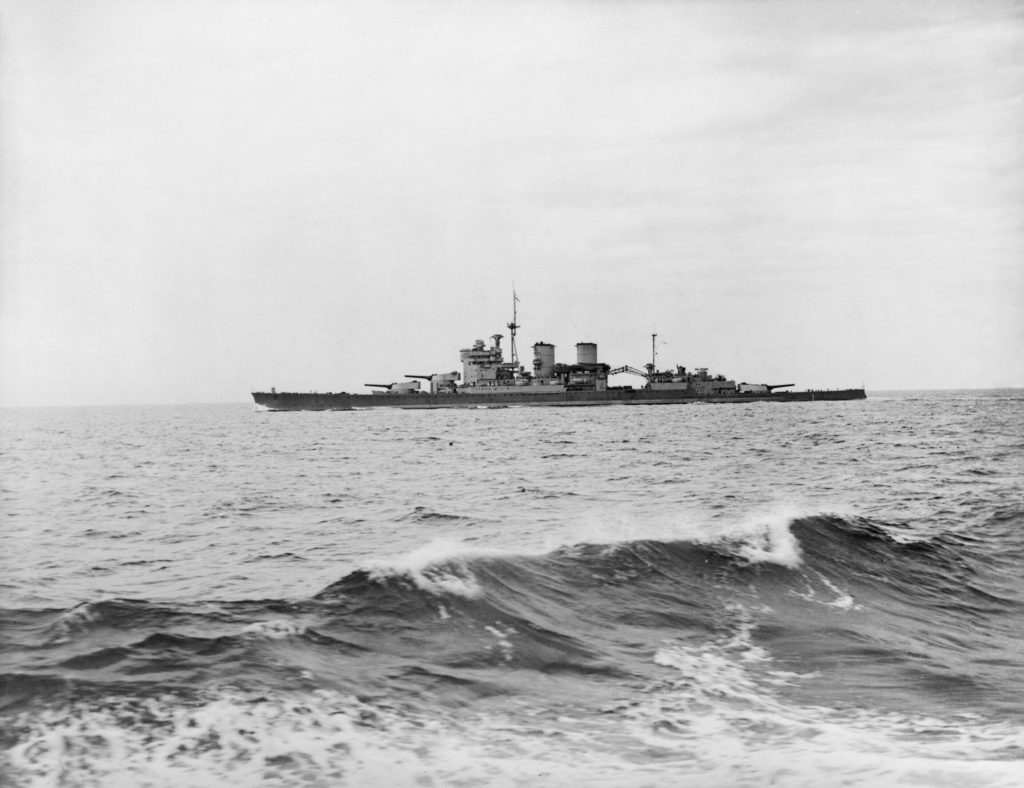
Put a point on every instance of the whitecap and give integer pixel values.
(276, 629)
(439, 568)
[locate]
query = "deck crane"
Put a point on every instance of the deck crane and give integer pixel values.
(631, 371)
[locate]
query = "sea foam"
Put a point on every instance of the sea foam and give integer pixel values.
(440, 568)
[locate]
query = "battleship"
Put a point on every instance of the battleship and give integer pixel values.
(487, 380)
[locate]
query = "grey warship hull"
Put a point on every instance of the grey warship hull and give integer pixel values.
(288, 401)
(487, 380)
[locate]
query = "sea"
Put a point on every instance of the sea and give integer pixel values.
(788, 594)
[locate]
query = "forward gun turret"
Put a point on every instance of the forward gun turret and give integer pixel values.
(398, 387)
(440, 382)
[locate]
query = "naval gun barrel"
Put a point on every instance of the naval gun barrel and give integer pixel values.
(421, 377)
(773, 386)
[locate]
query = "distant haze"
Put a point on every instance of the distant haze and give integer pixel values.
(202, 198)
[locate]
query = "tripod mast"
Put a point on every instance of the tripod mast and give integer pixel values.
(512, 330)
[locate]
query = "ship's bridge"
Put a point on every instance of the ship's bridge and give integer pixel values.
(481, 363)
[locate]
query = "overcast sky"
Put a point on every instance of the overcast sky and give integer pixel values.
(202, 198)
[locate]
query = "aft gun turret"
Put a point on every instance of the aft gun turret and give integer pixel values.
(762, 388)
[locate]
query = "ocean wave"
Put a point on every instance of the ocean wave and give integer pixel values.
(65, 625)
(818, 594)
(881, 597)
(440, 568)
(779, 538)
(834, 561)
(826, 553)
(423, 514)
(712, 719)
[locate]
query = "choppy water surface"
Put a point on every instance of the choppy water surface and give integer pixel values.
(805, 593)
